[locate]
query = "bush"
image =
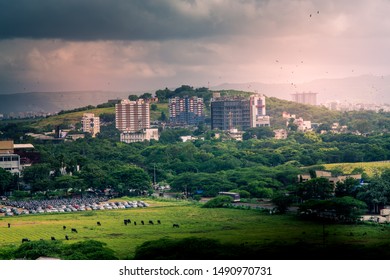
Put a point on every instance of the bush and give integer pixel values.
(242, 193)
(218, 202)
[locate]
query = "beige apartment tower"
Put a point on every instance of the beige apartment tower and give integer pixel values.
(132, 116)
(91, 124)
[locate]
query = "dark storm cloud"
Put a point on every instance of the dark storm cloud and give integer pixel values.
(83, 20)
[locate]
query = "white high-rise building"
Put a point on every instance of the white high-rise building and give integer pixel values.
(90, 124)
(258, 115)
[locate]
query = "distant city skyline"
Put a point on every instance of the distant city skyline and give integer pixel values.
(123, 45)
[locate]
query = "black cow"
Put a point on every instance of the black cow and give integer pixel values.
(128, 221)
(25, 240)
(159, 222)
(66, 237)
(125, 222)
(151, 222)
(74, 230)
(175, 225)
(64, 227)
(98, 223)
(53, 238)
(135, 223)
(9, 225)
(142, 222)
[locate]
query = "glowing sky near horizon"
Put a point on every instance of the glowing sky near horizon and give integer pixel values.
(135, 45)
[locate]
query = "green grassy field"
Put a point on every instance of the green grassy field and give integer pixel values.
(71, 118)
(370, 168)
(227, 225)
(75, 117)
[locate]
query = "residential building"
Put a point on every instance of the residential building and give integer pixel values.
(258, 111)
(235, 134)
(239, 112)
(146, 134)
(280, 134)
(186, 110)
(230, 112)
(132, 116)
(90, 124)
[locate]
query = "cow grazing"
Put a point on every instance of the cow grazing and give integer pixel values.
(9, 225)
(98, 223)
(135, 223)
(74, 230)
(25, 240)
(159, 222)
(151, 222)
(142, 222)
(175, 225)
(64, 227)
(53, 238)
(128, 221)
(125, 222)
(66, 237)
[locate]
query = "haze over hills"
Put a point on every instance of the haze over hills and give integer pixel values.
(54, 101)
(364, 89)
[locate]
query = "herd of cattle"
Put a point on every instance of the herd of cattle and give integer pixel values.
(12, 208)
(98, 223)
(72, 205)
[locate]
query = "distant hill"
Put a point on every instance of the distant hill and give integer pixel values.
(52, 102)
(365, 89)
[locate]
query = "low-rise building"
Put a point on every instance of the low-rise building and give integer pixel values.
(90, 124)
(10, 162)
(146, 134)
(280, 134)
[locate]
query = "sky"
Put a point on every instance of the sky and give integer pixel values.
(142, 45)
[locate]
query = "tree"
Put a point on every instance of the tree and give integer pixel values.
(348, 187)
(258, 133)
(5, 180)
(163, 117)
(346, 209)
(146, 95)
(35, 249)
(218, 202)
(317, 188)
(153, 107)
(88, 250)
(133, 97)
(163, 94)
(282, 201)
(36, 172)
(131, 179)
(375, 194)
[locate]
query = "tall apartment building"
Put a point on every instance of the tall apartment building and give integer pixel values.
(305, 98)
(258, 111)
(132, 116)
(90, 124)
(228, 113)
(186, 110)
(239, 112)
